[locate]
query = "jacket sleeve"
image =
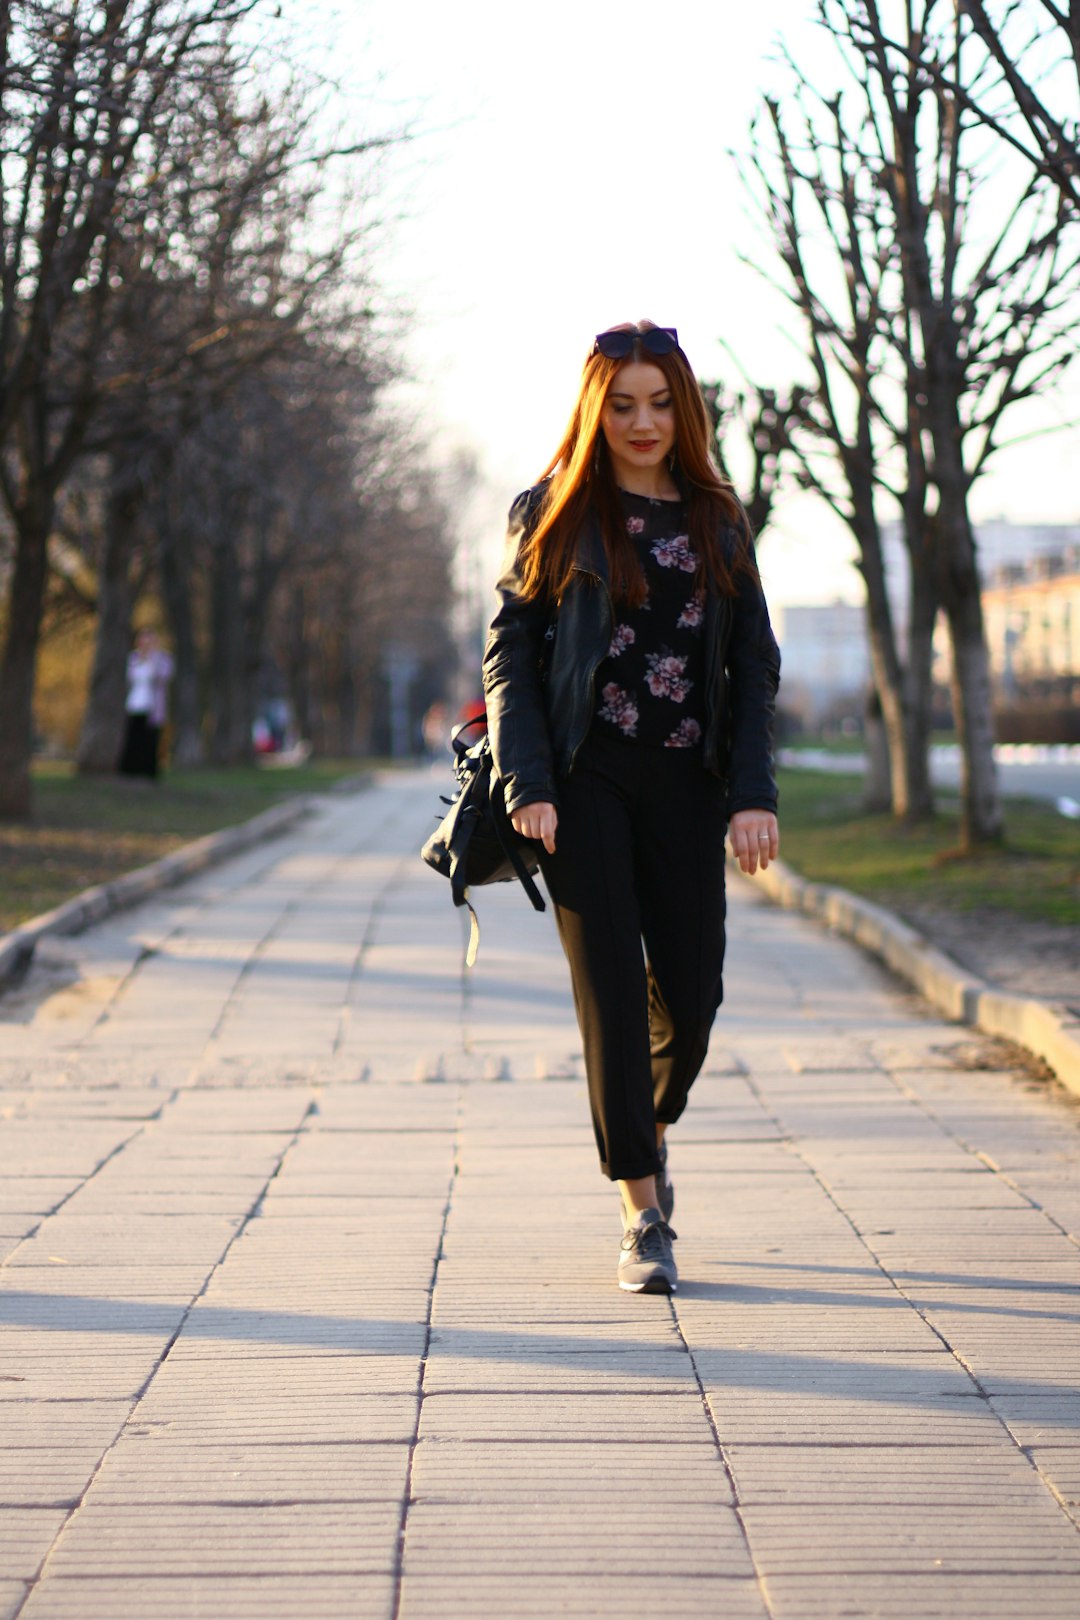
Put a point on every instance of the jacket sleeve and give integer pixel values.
(753, 672)
(513, 684)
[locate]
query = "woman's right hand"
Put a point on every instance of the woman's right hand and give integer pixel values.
(537, 821)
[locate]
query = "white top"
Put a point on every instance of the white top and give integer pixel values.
(148, 676)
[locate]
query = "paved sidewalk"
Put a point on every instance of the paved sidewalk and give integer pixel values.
(308, 1306)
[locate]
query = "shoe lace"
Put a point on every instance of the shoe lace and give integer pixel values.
(651, 1242)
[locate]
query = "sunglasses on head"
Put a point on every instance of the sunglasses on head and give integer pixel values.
(655, 340)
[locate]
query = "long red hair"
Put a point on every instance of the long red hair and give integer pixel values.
(580, 475)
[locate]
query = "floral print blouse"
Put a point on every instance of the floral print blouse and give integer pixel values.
(651, 686)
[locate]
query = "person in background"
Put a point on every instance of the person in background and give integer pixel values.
(149, 671)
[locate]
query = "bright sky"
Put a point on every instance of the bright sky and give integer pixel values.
(571, 170)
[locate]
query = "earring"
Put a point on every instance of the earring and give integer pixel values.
(671, 462)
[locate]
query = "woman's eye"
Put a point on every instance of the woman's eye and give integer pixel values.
(621, 410)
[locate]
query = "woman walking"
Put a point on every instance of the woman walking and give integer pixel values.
(631, 675)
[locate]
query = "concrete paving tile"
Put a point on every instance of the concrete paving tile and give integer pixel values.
(288, 1420)
(26, 1534)
(791, 1538)
(111, 1242)
(56, 1423)
(574, 1370)
(868, 1473)
(255, 1328)
(319, 1596)
(12, 1597)
(25, 1312)
(916, 1594)
(884, 1377)
(464, 1471)
(769, 1416)
(226, 1381)
(669, 1419)
(160, 1469)
(456, 1538)
(45, 1476)
(527, 1336)
(588, 1594)
(218, 1540)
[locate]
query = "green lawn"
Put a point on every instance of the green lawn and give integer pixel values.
(87, 830)
(826, 838)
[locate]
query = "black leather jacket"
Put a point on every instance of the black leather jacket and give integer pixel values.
(539, 665)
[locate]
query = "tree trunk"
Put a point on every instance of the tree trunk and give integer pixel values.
(299, 663)
(877, 783)
(175, 566)
(981, 819)
(102, 732)
(230, 735)
(918, 685)
(18, 663)
(884, 660)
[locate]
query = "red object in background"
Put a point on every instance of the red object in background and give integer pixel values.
(473, 715)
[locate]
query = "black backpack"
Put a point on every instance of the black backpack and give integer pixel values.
(474, 842)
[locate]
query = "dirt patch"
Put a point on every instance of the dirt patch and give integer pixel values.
(1018, 954)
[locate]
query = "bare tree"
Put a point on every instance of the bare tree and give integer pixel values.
(237, 266)
(817, 194)
(952, 313)
(986, 325)
(90, 96)
(1032, 58)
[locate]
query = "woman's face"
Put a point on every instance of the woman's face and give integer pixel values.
(638, 417)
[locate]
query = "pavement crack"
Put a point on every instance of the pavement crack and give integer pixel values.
(725, 1461)
(370, 934)
(407, 1493)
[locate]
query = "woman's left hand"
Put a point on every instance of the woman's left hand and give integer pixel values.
(755, 839)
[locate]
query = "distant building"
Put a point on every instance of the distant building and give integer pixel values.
(825, 660)
(1032, 617)
(1031, 605)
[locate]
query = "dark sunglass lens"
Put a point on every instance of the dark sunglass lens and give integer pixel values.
(615, 345)
(660, 339)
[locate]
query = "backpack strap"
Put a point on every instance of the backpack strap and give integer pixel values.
(504, 833)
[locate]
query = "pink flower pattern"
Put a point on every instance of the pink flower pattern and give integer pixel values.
(665, 675)
(675, 553)
(693, 613)
(685, 735)
(620, 708)
(654, 665)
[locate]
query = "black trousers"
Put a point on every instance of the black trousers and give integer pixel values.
(639, 860)
(140, 755)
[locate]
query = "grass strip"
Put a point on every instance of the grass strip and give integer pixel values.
(827, 838)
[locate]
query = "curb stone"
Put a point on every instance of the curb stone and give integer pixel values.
(104, 899)
(1049, 1032)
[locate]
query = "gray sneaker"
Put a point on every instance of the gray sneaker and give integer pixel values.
(665, 1187)
(646, 1263)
